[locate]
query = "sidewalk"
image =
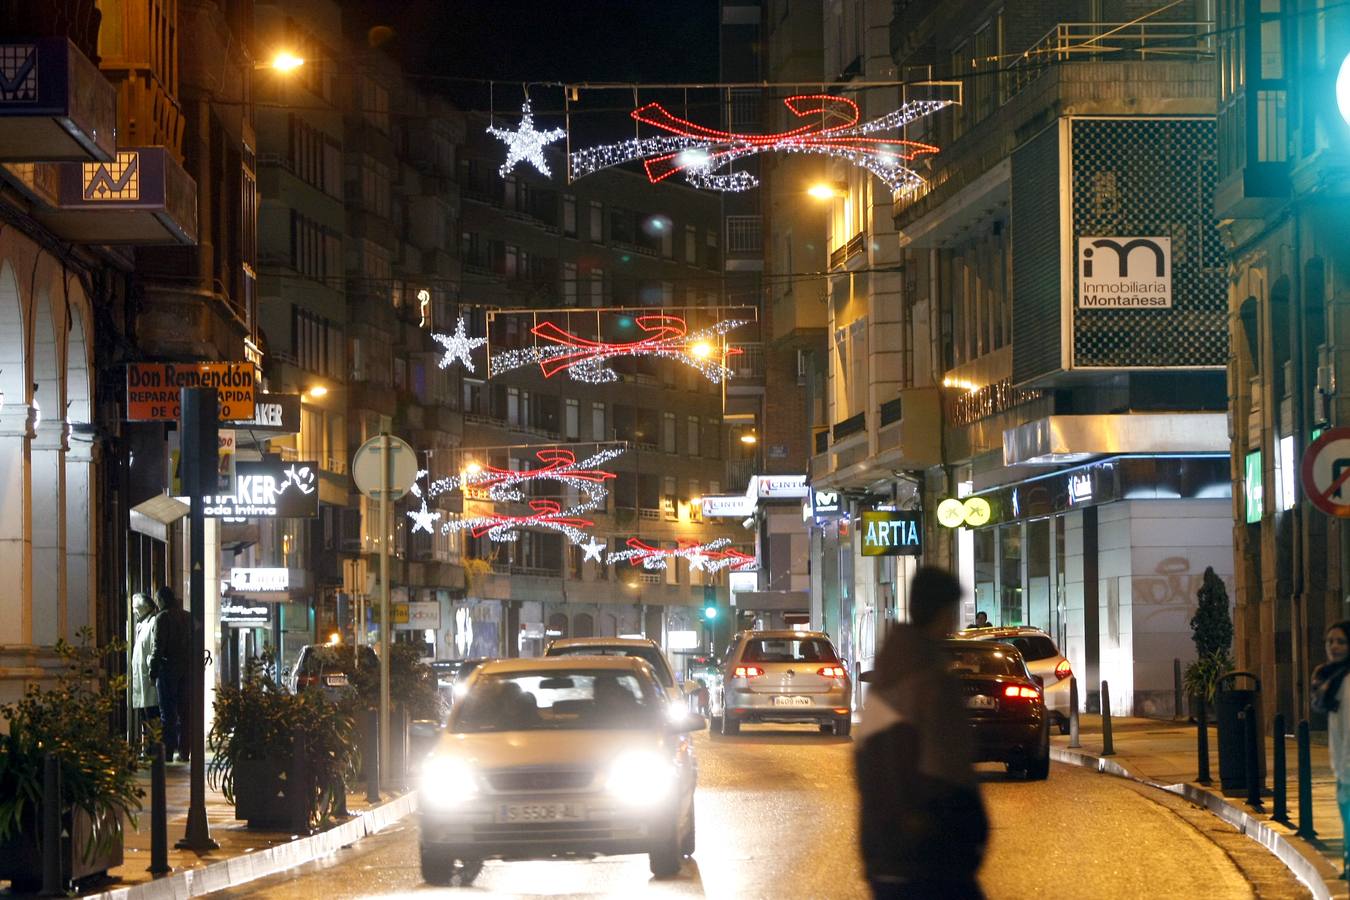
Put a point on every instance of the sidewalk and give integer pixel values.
(1163, 753)
(243, 855)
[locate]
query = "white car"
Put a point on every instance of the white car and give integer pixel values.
(552, 757)
(1043, 660)
(644, 649)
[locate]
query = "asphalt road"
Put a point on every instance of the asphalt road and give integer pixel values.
(776, 816)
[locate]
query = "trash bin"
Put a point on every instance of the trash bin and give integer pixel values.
(1229, 703)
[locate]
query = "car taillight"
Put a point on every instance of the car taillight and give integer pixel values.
(1063, 670)
(831, 672)
(747, 672)
(1020, 693)
(304, 681)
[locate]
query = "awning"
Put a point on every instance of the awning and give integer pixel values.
(1056, 440)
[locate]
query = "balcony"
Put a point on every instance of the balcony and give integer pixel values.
(55, 105)
(839, 256)
(143, 197)
(1141, 40)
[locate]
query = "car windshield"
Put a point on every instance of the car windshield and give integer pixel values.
(328, 659)
(1031, 646)
(650, 655)
(981, 661)
(789, 650)
(571, 699)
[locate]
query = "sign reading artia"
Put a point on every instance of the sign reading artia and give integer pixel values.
(1124, 272)
(259, 579)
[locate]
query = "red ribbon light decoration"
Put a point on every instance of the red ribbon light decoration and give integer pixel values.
(546, 512)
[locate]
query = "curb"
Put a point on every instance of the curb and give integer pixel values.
(1300, 865)
(237, 870)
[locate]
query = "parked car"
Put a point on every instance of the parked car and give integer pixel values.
(559, 756)
(449, 673)
(782, 676)
(1042, 657)
(1005, 705)
(320, 667)
(640, 648)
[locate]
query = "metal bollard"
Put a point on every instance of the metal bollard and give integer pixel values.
(340, 798)
(372, 750)
(1108, 745)
(1251, 759)
(159, 816)
(1305, 807)
(1280, 775)
(53, 878)
(1178, 712)
(299, 784)
(1074, 741)
(1202, 741)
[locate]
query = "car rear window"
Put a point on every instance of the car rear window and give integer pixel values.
(768, 649)
(570, 699)
(982, 661)
(1031, 646)
(648, 654)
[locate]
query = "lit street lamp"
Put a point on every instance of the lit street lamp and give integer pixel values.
(283, 61)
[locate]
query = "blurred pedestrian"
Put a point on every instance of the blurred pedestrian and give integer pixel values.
(170, 666)
(1329, 696)
(981, 620)
(144, 697)
(923, 828)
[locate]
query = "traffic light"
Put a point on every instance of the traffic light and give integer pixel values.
(710, 612)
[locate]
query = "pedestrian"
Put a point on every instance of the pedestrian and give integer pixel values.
(144, 697)
(1329, 696)
(981, 620)
(924, 828)
(170, 665)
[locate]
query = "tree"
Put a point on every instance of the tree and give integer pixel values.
(1211, 626)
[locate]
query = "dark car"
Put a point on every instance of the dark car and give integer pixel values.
(460, 679)
(1005, 705)
(324, 667)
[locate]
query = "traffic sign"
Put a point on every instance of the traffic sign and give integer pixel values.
(1326, 472)
(402, 467)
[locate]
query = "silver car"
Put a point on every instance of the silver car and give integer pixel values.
(552, 757)
(1043, 659)
(783, 676)
(641, 648)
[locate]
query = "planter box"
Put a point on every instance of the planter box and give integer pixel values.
(260, 792)
(21, 860)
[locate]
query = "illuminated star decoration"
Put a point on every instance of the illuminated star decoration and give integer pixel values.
(458, 346)
(591, 550)
(709, 557)
(425, 520)
(525, 143)
(585, 359)
(702, 153)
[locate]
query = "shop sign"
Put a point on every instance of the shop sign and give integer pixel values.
(532, 631)
(245, 614)
(273, 414)
(272, 489)
(153, 389)
(778, 487)
(733, 506)
(416, 615)
(1253, 488)
(1080, 488)
(887, 533)
(971, 512)
(826, 503)
(681, 640)
(1124, 272)
(259, 580)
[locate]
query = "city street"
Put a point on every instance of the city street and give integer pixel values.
(776, 811)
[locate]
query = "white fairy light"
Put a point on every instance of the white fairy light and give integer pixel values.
(425, 519)
(710, 557)
(592, 549)
(525, 143)
(458, 346)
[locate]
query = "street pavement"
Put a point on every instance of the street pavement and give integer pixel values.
(776, 811)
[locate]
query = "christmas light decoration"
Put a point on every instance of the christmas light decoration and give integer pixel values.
(592, 550)
(702, 153)
(559, 465)
(545, 514)
(709, 557)
(458, 346)
(525, 143)
(584, 359)
(424, 520)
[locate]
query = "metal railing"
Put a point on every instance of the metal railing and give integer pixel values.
(748, 362)
(745, 234)
(1080, 41)
(842, 254)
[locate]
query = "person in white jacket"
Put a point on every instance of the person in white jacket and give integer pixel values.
(144, 697)
(1329, 696)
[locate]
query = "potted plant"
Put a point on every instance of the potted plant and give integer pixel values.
(412, 690)
(72, 721)
(253, 744)
(1212, 633)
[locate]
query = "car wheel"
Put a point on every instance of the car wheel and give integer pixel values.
(437, 869)
(468, 870)
(730, 725)
(842, 726)
(1064, 725)
(665, 858)
(687, 845)
(826, 728)
(714, 723)
(1038, 769)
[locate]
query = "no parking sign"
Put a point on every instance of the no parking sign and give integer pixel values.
(1326, 472)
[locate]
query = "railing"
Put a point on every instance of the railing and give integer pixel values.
(738, 475)
(890, 411)
(1078, 41)
(841, 255)
(851, 425)
(748, 362)
(822, 440)
(745, 234)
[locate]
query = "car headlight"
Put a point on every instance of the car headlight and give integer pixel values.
(640, 778)
(460, 689)
(447, 780)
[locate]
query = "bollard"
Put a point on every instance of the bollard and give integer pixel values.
(1305, 809)
(1281, 811)
(1178, 712)
(340, 798)
(372, 748)
(1074, 742)
(159, 817)
(299, 784)
(1108, 746)
(1202, 741)
(53, 879)
(1251, 759)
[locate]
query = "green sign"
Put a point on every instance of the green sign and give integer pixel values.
(886, 533)
(1252, 487)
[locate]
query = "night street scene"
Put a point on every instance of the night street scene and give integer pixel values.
(703, 448)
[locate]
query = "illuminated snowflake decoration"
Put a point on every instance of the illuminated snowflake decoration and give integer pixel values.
(459, 346)
(525, 144)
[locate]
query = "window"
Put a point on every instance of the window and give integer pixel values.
(571, 419)
(787, 650)
(513, 406)
(691, 446)
(714, 441)
(316, 343)
(569, 225)
(668, 432)
(598, 432)
(691, 245)
(569, 284)
(597, 222)
(315, 252)
(597, 287)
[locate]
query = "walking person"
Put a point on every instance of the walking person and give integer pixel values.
(1329, 696)
(169, 666)
(924, 828)
(144, 697)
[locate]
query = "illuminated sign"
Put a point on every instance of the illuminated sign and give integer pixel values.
(273, 414)
(259, 580)
(892, 533)
(1124, 273)
(778, 487)
(245, 614)
(1080, 488)
(153, 389)
(972, 512)
(273, 489)
(1253, 487)
(826, 503)
(733, 506)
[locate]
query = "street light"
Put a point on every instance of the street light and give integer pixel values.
(473, 468)
(701, 350)
(283, 61)
(317, 391)
(748, 438)
(825, 190)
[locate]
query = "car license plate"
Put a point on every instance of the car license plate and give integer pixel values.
(540, 812)
(791, 701)
(981, 701)
(335, 680)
